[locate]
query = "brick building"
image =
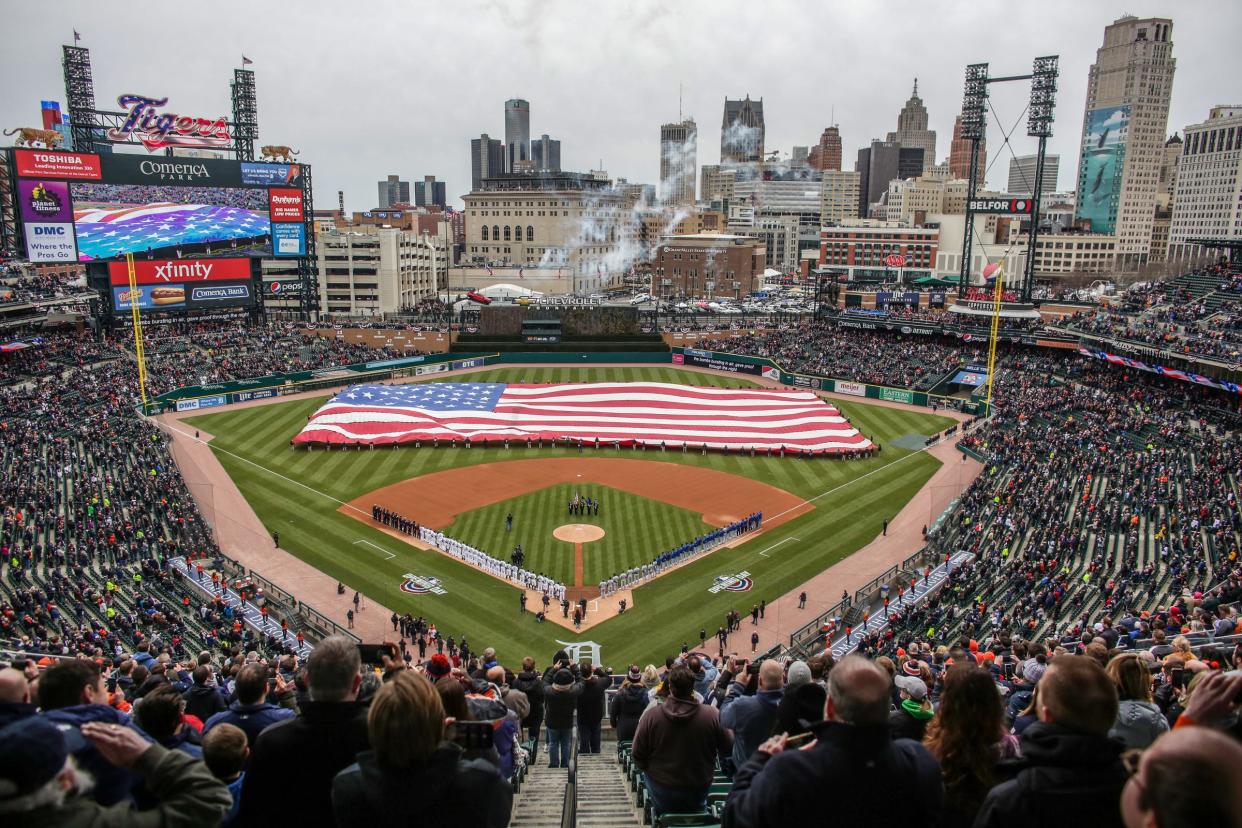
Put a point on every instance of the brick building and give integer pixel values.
(716, 265)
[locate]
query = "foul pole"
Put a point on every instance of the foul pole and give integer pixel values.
(137, 317)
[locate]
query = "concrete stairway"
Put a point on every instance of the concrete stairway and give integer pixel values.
(603, 796)
(538, 804)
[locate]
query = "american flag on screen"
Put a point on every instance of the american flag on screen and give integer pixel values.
(648, 413)
(109, 231)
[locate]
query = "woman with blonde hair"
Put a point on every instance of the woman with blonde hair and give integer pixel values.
(406, 725)
(1139, 720)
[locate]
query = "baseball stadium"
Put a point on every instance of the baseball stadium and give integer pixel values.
(747, 505)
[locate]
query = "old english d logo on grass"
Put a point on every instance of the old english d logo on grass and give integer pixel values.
(421, 585)
(741, 582)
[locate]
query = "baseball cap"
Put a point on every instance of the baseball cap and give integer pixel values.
(32, 751)
(914, 688)
(563, 677)
(634, 673)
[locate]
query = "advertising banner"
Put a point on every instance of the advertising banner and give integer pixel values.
(431, 369)
(44, 201)
(120, 168)
(48, 242)
(79, 166)
(201, 402)
(261, 394)
(182, 297)
(259, 174)
(896, 395)
(282, 287)
(286, 204)
(180, 271)
(854, 389)
(1102, 165)
(288, 239)
(468, 363)
(857, 324)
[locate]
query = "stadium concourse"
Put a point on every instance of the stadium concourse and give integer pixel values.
(1080, 599)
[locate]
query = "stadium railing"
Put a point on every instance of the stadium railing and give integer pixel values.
(569, 805)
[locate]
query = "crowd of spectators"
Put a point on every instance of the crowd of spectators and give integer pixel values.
(18, 284)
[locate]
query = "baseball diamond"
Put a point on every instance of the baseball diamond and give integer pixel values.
(320, 502)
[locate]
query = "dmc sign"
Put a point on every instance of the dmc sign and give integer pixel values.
(1001, 206)
(155, 129)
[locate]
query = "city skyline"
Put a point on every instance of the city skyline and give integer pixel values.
(606, 100)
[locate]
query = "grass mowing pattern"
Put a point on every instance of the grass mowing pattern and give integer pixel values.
(637, 530)
(667, 612)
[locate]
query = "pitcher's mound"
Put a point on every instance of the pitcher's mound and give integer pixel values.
(578, 532)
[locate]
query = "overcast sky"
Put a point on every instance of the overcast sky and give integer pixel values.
(368, 89)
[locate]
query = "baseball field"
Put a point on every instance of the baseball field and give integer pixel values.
(821, 511)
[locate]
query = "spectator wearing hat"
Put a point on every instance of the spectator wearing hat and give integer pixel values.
(305, 752)
(591, 704)
(968, 737)
(408, 753)
(914, 709)
(853, 763)
(251, 711)
(801, 708)
(749, 707)
(676, 746)
(41, 785)
(560, 704)
(73, 693)
(628, 704)
(1069, 765)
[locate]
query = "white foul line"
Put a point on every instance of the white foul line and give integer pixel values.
(380, 548)
(765, 552)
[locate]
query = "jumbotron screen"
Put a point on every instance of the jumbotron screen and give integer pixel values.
(87, 208)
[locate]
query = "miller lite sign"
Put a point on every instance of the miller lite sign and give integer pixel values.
(156, 129)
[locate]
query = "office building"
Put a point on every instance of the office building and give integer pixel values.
(566, 221)
(799, 159)
(912, 131)
(862, 247)
(1022, 174)
(1166, 185)
(838, 197)
(545, 154)
(678, 160)
(959, 156)
(912, 201)
(826, 155)
(742, 131)
(1207, 202)
(879, 164)
(517, 133)
(393, 191)
(385, 270)
(708, 265)
(1124, 126)
(487, 159)
(430, 193)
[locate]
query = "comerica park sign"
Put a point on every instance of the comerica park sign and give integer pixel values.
(1001, 206)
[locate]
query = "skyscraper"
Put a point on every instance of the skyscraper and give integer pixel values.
(741, 131)
(912, 131)
(881, 163)
(487, 159)
(1207, 200)
(826, 155)
(429, 192)
(517, 133)
(959, 155)
(1022, 174)
(678, 158)
(546, 153)
(393, 190)
(1123, 129)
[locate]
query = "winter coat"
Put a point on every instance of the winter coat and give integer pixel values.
(204, 701)
(560, 701)
(251, 718)
(489, 708)
(293, 763)
(850, 769)
(531, 684)
(1061, 772)
(750, 718)
(626, 709)
(592, 701)
(112, 784)
(365, 795)
(909, 720)
(1138, 724)
(677, 743)
(187, 792)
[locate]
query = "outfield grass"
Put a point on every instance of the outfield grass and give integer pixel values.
(297, 492)
(636, 530)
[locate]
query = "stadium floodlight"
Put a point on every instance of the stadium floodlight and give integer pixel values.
(974, 101)
(1043, 97)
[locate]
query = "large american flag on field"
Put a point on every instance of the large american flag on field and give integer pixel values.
(648, 413)
(108, 231)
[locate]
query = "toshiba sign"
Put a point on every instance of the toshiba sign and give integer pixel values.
(180, 271)
(286, 204)
(58, 165)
